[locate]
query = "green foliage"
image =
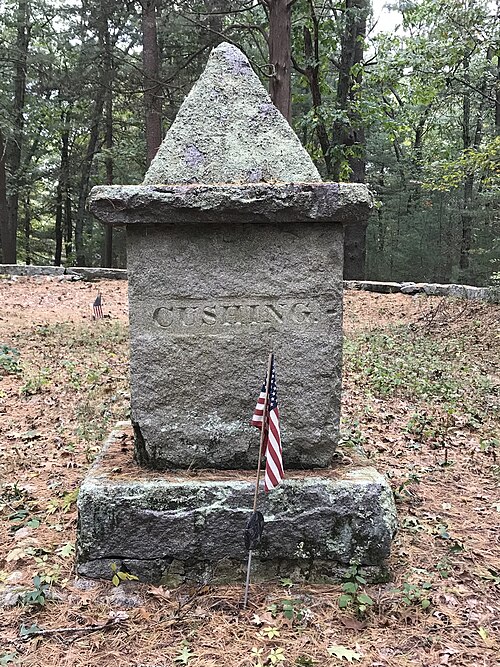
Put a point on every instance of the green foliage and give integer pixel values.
(69, 499)
(444, 568)
(408, 101)
(304, 661)
(27, 631)
(400, 363)
(353, 593)
(290, 608)
(36, 382)
(63, 504)
(416, 595)
(66, 550)
(119, 576)
(269, 632)
(275, 656)
(351, 436)
(403, 490)
(490, 446)
(38, 595)
(424, 79)
(484, 163)
(9, 360)
(421, 372)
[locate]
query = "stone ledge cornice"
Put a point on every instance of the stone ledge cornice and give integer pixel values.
(231, 203)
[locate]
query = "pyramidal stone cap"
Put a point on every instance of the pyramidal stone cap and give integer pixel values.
(228, 131)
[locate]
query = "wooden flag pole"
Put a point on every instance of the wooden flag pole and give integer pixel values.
(259, 462)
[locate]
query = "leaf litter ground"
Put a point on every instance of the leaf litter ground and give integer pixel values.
(421, 397)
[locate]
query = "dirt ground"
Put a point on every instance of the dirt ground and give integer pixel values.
(421, 396)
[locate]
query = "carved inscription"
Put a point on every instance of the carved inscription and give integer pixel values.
(220, 316)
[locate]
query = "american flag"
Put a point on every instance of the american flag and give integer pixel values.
(97, 313)
(271, 444)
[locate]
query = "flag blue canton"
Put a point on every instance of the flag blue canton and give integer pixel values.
(273, 391)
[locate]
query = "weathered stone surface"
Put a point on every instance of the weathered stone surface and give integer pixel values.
(218, 204)
(238, 254)
(221, 274)
(125, 596)
(97, 273)
(31, 270)
(430, 289)
(412, 288)
(204, 316)
(176, 526)
(74, 272)
(228, 131)
(435, 289)
(491, 294)
(11, 595)
(459, 291)
(373, 286)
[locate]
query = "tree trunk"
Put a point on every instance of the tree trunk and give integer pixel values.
(497, 81)
(9, 242)
(280, 12)
(470, 141)
(27, 230)
(466, 217)
(497, 85)
(83, 190)
(152, 86)
(88, 161)
(58, 229)
(4, 209)
(351, 134)
(311, 71)
(63, 225)
(64, 179)
(107, 259)
(214, 18)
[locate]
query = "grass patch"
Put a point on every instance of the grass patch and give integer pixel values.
(400, 363)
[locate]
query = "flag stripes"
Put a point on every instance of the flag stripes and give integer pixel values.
(269, 420)
(258, 415)
(274, 461)
(97, 313)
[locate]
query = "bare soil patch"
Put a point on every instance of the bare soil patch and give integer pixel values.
(421, 396)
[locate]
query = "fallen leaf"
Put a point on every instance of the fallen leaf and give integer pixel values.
(343, 652)
(352, 623)
(159, 592)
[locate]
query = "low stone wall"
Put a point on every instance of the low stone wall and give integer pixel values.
(71, 273)
(490, 294)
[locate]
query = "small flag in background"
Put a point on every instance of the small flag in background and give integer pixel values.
(271, 444)
(97, 313)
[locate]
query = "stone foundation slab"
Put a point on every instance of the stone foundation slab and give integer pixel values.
(173, 527)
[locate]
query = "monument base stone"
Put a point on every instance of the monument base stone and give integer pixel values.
(178, 526)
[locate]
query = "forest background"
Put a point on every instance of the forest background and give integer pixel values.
(89, 87)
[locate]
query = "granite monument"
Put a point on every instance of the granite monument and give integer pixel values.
(235, 249)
